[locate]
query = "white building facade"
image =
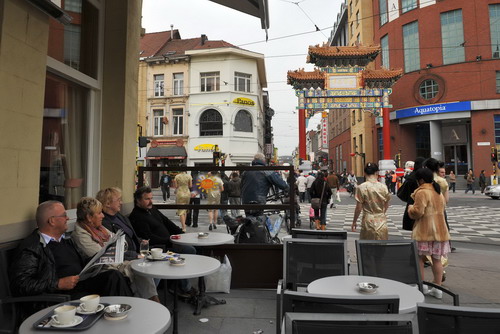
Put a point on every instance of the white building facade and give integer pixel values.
(226, 105)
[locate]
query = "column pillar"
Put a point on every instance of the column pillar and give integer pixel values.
(386, 133)
(436, 140)
(302, 134)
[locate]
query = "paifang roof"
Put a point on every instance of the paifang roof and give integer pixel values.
(343, 51)
(382, 74)
(302, 75)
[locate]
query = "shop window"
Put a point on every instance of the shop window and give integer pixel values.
(495, 30)
(211, 123)
(159, 84)
(210, 81)
(243, 121)
(452, 37)
(423, 140)
(242, 82)
(497, 129)
(178, 83)
(63, 164)
(411, 47)
(76, 44)
(178, 124)
(428, 89)
(498, 81)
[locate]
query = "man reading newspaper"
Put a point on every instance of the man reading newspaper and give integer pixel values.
(48, 262)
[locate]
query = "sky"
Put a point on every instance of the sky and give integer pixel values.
(282, 51)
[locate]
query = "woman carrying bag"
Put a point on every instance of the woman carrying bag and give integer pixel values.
(320, 195)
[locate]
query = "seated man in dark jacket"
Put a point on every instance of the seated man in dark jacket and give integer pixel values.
(255, 184)
(48, 262)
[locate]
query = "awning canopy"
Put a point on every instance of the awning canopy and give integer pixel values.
(166, 152)
(257, 8)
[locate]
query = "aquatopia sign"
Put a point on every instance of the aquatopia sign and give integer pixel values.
(433, 109)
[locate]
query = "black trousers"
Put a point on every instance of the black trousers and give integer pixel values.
(165, 190)
(193, 201)
(107, 283)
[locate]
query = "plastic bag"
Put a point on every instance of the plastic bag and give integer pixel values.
(337, 197)
(220, 281)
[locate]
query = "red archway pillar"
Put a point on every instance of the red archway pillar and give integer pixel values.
(386, 133)
(302, 134)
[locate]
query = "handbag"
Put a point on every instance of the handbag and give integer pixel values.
(316, 202)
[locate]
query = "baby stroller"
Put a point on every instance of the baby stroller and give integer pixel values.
(286, 200)
(250, 230)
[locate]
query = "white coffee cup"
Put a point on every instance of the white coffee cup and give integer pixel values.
(64, 315)
(156, 253)
(89, 303)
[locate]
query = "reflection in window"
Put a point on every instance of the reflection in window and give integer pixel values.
(73, 6)
(211, 123)
(243, 121)
(495, 30)
(407, 5)
(64, 142)
(429, 89)
(383, 12)
(72, 45)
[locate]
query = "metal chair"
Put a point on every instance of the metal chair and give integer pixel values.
(396, 260)
(305, 260)
(457, 319)
(317, 234)
(306, 323)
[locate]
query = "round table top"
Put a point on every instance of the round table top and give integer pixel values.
(145, 316)
(213, 239)
(346, 285)
(195, 266)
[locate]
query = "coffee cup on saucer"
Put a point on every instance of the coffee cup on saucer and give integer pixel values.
(89, 303)
(64, 315)
(157, 253)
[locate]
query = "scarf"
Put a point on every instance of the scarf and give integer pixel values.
(98, 234)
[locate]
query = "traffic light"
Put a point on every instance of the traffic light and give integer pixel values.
(143, 141)
(494, 155)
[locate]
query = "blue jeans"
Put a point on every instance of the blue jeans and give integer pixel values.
(321, 214)
(470, 186)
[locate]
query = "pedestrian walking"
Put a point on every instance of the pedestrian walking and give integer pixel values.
(322, 192)
(372, 199)
(430, 231)
(404, 193)
(182, 183)
(470, 181)
(234, 193)
(302, 186)
(192, 214)
(482, 181)
(165, 181)
(334, 184)
(310, 181)
(453, 181)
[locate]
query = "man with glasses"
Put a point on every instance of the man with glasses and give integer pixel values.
(47, 261)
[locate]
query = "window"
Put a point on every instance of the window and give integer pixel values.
(178, 83)
(429, 89)
(423, 140)
(452, 36)
(243, 121)
(73, 6)
(384, 44)
(210, 81)
(178, 124)
(210, 123)
(242, 82)
(383, 12)
(159, 83)
(407, 5)
(352, 29)
(497, 129)
(498, 81)
(158, 122)
(380, 138)
(411, 46)
(357, 19)
(72, 35)
(65, 130)
(495, 30)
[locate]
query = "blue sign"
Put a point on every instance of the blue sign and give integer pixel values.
(433, 109)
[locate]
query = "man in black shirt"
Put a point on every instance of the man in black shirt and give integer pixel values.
(48, 262)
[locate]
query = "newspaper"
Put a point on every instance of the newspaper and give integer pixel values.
(112, 252)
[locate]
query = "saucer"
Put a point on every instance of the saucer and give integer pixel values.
(99, 308)
(151, 258)
(78, 320)
(107, 317)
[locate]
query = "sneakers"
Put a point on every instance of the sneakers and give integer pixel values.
(436, 293)
(425, 290)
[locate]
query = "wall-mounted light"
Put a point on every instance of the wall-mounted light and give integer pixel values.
(429, 65)
(478, 58)
(53, 10)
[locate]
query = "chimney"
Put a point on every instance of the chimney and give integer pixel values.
(203, 39)
(171, 31)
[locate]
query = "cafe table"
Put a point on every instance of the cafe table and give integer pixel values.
(209, 239)
(145, 316)
(346, 285)
(194, 266)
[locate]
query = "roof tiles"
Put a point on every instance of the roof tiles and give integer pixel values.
(343, 51)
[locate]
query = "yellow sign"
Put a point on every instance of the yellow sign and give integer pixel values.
(205, 148)
(244, 101)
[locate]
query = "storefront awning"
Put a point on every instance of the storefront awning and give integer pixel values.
(166, 152)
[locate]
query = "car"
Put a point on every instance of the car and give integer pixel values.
(493, 191)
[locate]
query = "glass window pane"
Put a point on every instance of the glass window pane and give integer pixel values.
(411, 46)
(452, 36)
(384, 44)
(383, 12)
(495, 30)
(243, 121)
(407, 5)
